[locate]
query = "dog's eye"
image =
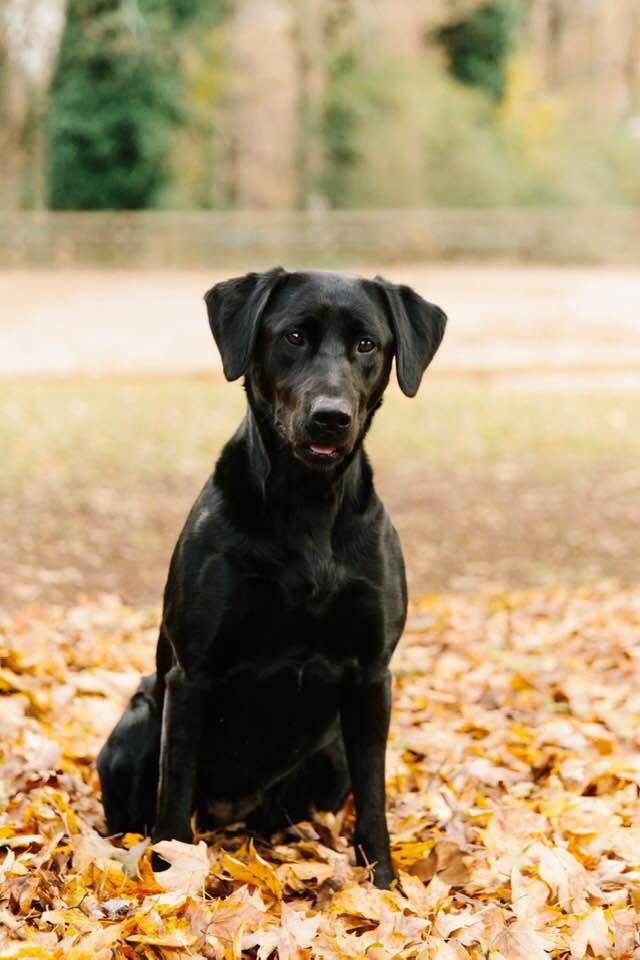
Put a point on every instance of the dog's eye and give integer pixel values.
(366, 345)
(296, 338)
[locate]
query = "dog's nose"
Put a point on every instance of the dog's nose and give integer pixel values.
(331, 416)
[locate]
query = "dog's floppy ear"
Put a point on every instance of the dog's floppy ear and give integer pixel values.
(418, 328)
(234, 308)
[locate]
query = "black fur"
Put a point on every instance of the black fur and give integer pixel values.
(286, 592)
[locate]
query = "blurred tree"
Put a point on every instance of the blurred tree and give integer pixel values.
(479, 45)
(201, 152)
(29, 36)
(9, 150)
(355, 99)
(114, 101)
(311, 41)
(340, 127)
(263, 99)
(590, 53)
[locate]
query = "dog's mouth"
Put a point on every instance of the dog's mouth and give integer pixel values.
(322, 450)
(320, 454)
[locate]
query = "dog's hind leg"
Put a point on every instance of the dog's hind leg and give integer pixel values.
(326, 776)
(128, 764)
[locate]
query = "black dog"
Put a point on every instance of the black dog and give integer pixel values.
(286, 592)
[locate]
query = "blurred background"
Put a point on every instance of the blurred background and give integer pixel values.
(486, 152)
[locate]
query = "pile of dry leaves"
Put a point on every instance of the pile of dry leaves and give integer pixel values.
(513, 776)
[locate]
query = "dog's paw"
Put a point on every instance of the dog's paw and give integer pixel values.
(158, 864)
(383, 876)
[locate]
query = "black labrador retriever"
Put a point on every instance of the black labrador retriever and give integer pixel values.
(286, 592)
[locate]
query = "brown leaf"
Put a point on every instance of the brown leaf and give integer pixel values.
(513, 739)
(255, 871)
(447, 860)
(300, 874)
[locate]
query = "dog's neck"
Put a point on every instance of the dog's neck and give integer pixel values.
(277, 480)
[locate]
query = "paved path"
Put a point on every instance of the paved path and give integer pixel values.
(503, 318)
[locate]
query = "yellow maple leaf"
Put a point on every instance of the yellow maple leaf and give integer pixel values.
(256, 871)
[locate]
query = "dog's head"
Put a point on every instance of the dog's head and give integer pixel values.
(317, 350)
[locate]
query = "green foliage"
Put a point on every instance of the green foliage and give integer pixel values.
(478, 46)
(113, 106)
(141, 114)
(344, 106)
(187, 13)
(199, 161)
(394, 132)
(407, 134)
(369, 132)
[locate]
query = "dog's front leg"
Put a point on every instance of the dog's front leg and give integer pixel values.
(179, 750)
(365, 724)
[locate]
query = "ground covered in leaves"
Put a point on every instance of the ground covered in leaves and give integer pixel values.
(513, 780)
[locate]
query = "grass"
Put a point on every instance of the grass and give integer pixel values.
(81, 431)
(488, 481)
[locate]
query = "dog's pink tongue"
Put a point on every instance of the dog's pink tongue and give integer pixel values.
(319, 449)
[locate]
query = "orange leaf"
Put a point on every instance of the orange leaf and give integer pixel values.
(256, 871)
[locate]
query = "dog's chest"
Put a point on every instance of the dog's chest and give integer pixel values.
(294, 617)
(303, 600)
(313, 577)
(266, 715)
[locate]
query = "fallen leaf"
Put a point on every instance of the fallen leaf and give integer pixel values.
(438, 949)
(513, 782)
(177, 939)
(447, 860)
(300, 874)
(255, 871)
(424, 899)
(624, 925)
(189, 865)
(591, 931)
(519, 941)
(567, 879)
(291, 937)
